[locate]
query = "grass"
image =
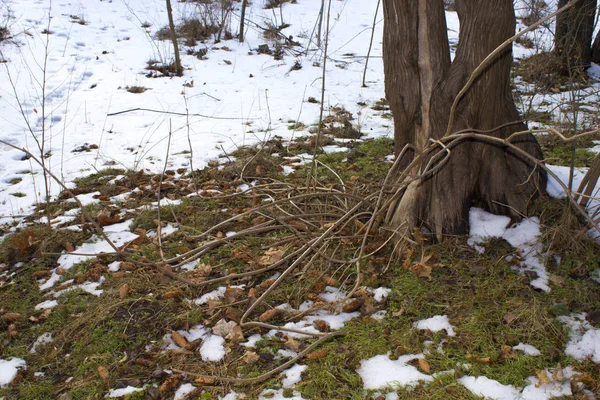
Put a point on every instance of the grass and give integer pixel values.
(490, 304)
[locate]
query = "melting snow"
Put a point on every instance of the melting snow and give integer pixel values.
(9, 369)
(436, 324)
(381, 372)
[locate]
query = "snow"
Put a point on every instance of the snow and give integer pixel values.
(252, 340)
(584, 340)
(535, 390)
(527, 349)
(183, 391)
(123, 392)
(212, 348)
(524, 236)
(380, 293)
(489, 388)
(9, 369)
(380, 372)
(292, 375)
(436, 324)
(272, 394)
(46, 304)
(40, 341)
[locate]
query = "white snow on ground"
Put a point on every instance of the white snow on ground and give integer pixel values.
(252, 340)
(380, 293)
(9, 369)
(527, 349)
(232, 396)
(436, 324)
(123, 392)
(212, 348)
(292, 375)
(40, 341)
(523, 236)
(272, 394)
(585, 339)
(380, 372)
(46, 304)
(237, 98)
(183, 391)
(491, 389)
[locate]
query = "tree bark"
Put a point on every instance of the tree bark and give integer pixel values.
(242, 19)
(573, 36)
(596, 49)
(421, 85)
(178, 69)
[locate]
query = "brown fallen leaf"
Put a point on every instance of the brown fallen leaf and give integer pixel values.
(321, 325)
(170, 384)
(41, 274)
(205, 380)
(353, 305)
(236, 335)
(558, 374)
(108, 218)
(510, 318)
(123, 291)
(172, 294)
(103, 372)
(69, 247)
(542, 378)
(292, 344)
(424, 365)
(12, 330)
(557, 280)
(11, 317)
(266, 284)
(270, 314)
(329, 280)
(315, 355)
(179, 339)
(482, 360)
(250, 357)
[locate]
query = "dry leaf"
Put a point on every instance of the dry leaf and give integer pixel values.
(353, 305)
(172, 294)
(510, 318)
(41, 274)
(12, 330)
(421, 271)
(424, 365)
(179, 339)
(271, 256)
(243, 253)
(250, 357)
(103, 372)
(11, 317)
(270, 314)
(69, 247)
(105, 218)
(170, 384)
(292, 344)
(205, 380)
(123, 291)
(223, 328)
(482, 360)
(557, 280)
(315, 355)
(329, 280)
(558, 374)
(321, 325)
(236, 335)
(542, 378)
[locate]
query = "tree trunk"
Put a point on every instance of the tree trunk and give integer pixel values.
(178, 69)
(573, 36)
(596, 49)
(242, 19)
(421, 84)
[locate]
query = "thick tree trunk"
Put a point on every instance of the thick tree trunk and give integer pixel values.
(421, 85)
(596, 49)
(573, 36)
